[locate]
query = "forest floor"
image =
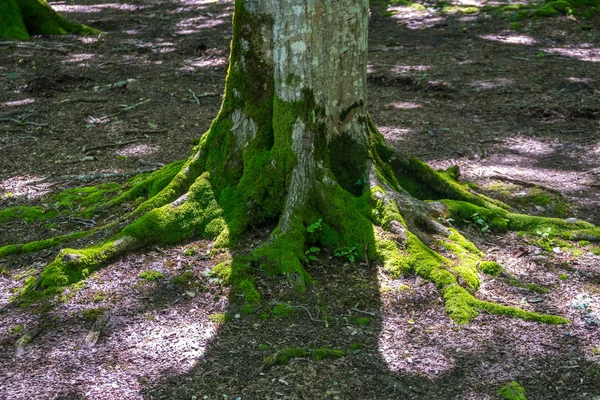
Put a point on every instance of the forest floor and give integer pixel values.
(517, 110)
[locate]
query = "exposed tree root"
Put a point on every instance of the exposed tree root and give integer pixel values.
(386, 223)
(21, 18)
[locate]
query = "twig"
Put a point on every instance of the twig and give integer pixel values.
(372, 314)
(84, 100)
(521, 58)
(194, 96)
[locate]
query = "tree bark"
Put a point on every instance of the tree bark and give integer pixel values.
(21, 18)
(294, 146)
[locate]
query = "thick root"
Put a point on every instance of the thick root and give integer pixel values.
(21, 18)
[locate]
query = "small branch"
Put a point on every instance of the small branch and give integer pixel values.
(194, 96)
(372, 314)
(84, 100)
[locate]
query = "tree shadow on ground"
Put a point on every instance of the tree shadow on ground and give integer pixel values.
(396, 341)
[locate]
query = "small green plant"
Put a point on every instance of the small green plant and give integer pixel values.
(540, 55)
(217, 318)
(151, 275)
(356, 348)
(263, 346)
(480, 222)
(16, 329)
(545, 234)
(283, 310)
(183, 279)
(315, 226)
(595, 250)
(514, 26)
(512, 391)
(346, 252)
(362, 321)
(320, 354)
(563, 277)
(310, 254)
(92, 314)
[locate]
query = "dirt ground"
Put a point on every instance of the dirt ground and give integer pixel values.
(517, 110)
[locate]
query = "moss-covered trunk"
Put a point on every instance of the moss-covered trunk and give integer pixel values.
(294, 147)
(19, 19)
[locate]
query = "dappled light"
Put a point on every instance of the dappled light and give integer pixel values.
(511, 39)
(28, 187)
(501, 103)
(137, 150)
(96, 8)
(486, 85)
(17, 103)
(583, 52)
(404, 105)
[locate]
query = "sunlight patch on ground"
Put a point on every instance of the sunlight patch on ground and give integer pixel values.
(30, 187)
(137, 150)
(403, 105)
(80, 59)
(88, 39)
(200, 63)
(509, 166)
(415, 19)
(484, 85)
(510, 39)
(530, 146)
(63, 7)
(16, 103)
(580, 80)
(405, 69)
(194, 25)
(582, 52)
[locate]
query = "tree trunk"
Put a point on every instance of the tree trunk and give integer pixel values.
(294, 146)
(21, 18)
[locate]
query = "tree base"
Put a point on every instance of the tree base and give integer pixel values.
(385, 224)
(21, 18)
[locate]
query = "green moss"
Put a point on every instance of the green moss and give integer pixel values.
(563, 277)
(151, 275)
(92, 314)
(285, 355)
(39, 245)
(251, 295)
(362, 321)
(491, 268)
(323, 353)
(19, 19)
(512, 391)
(217, 318)
(222, 271)
(183, 279)
(27, 214)
(283, 310)
(16, 329)
(356, 348)
(595, 250)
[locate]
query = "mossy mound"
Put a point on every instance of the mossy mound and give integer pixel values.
(19, 19)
